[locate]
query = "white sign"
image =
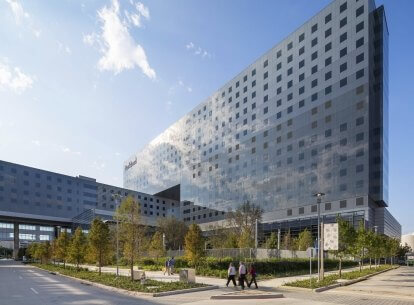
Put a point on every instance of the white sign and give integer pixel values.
(330, 236)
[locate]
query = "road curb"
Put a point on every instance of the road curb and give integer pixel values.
(247, 297)
(173, 292)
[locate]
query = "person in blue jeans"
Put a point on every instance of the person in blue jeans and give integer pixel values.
(167, 266)
(172, 263)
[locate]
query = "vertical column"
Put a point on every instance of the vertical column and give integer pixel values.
(16, 241)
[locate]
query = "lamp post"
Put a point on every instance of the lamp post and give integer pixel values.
(117, 198)
(318, 201)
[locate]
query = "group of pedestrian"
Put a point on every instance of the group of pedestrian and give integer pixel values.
(169, 266)
(243, 272)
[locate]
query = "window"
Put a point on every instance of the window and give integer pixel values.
(343, 82)
(279, 66)
(343, 52)
(327, 206)
(314, 97)
(359, 11)
(343, 37)
(253, 72)
(265, 64)
(360, 42)
(359, 58)
(290, 45)
(342, 172)
(328, 18)
(289, 212)
(343, 127)
(343, 67)
(328, 61)
(343, 7)
(314, 69)
(301, 77)
(278, 78)
(328, 32)
(265, 75)
(359, 136)
(359, 121)
(314, 28)
(314, 83)
(328, 104)
(301, 210)
(290, 71)
(359, 168)
(301, 50)
(279, 53)
(328, 90)
(301, 37)
(328, 133)
(301, 63)
(359, 74)
(301, 103)
(301, 90)
(359, 27)
(328, 75)
(290, 58)
(328, 46)
(314, 41)
(342, 204)
(360, 201)
(265, 98)
(343, 22)
(314, 55)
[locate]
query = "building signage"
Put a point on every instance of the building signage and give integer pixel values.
(330, 236)
(131, 164)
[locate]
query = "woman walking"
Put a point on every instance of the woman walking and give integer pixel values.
(231, 273)
(252, 273)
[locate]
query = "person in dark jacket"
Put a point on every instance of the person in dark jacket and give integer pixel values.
(252, 273)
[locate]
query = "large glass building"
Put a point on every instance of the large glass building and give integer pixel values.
(310, 115)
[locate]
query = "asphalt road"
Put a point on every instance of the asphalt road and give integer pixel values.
(25, 285)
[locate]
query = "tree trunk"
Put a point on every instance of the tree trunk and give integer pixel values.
(100, 261)
(64, 264)
(360, 265)
(340, 267)
(370, 263)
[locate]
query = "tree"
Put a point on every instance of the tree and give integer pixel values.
(244, 221)
(157, 245)
(194, 245)
(287, 242)
(99, 238)
(346, 238)
(62, 247)
(403, 250)
(305, 240)
(271, 242)
(129, 229)
(77, 249)
(360, 243)
(174, 230)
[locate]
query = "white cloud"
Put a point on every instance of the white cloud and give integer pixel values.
(63, 48)
(189, 89)
(36, 142)
(135, 17)
(119, 49)
(22, 17)
(18, 11)
(65, 149)
(14, 79)
(198, 51)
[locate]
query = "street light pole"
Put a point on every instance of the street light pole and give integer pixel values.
(318, 200)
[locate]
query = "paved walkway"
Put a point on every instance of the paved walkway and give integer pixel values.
(264, 284)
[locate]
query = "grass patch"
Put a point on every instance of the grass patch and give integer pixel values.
(332, 278)
(122, 282)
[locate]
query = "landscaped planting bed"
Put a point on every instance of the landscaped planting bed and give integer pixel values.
(122, 282)
(333, 278)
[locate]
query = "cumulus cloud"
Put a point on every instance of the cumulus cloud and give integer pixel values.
(198, 51)
(115, 42)
(12, 78)
(67, 150)
(63, 48)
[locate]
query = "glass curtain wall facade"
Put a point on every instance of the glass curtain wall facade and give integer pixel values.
(308, 116)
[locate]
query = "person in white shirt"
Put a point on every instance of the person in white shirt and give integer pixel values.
(231, 273)
(242, 274)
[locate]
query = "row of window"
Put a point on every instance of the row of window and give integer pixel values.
(327, 206)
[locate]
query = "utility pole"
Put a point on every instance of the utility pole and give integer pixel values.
(255, 235)
(278, 239)
(117, 198)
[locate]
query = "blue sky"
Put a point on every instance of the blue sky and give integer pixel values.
(83, 85)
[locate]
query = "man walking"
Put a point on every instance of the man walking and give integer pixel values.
(252, 273)
(172, 263)
(242, 274)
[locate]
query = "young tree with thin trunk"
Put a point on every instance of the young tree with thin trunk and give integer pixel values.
(287, 242)
(77, 249)
(62, 247)
(130, 230)
(305, 240)
(194, 245)
(99, 241)
(271, 242)
(157, 246)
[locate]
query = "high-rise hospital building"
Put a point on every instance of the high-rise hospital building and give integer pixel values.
(310, 115)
